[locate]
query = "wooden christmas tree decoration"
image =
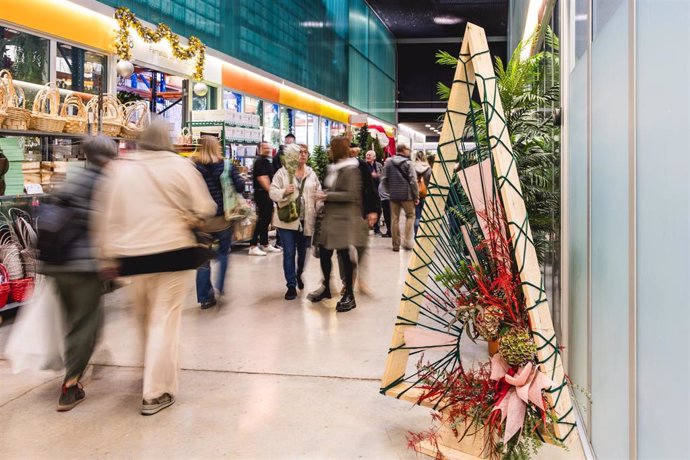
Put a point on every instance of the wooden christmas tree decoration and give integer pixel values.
(446, 236)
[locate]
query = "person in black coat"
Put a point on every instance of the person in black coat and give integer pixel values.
(211, 164)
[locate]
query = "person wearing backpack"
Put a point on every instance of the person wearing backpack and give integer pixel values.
(297, 227)
(399, 180)
(211, 164)
(71, 262)
(423, 171)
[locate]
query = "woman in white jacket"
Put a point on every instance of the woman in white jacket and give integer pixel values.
(145, 208)
(295, 235)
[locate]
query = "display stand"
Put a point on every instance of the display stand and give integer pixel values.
(476, 67)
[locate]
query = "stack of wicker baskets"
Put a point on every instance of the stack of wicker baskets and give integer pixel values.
(111, 121)
(46, 109)
(4, 99)
(17, 115)
(74, 112)
(136, 118)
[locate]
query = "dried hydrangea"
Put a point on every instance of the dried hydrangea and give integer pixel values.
(517, 347)
(488, 322)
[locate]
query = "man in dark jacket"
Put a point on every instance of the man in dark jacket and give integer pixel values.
(399, 180)
(77, 275)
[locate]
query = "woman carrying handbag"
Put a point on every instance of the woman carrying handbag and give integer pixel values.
(210, 163)
(294, 189)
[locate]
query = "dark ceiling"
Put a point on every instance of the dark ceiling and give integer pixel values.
(421, 28)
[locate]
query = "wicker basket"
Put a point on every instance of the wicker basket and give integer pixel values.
(21, 290)
(111, 121)
(17, 116)
(45, 114)
(136, 118)
(5, 287)
(74, 112)
(4, 99)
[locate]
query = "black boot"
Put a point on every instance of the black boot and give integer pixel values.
(321, 293)
(291, 293)
(347, 303)
(300, 283)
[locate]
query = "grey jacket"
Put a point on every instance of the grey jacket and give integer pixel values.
(399, 179)
(342, 224)
(77, 192)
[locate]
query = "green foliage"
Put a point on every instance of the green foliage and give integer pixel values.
(517, 347)
(528, 89)
(319, 162)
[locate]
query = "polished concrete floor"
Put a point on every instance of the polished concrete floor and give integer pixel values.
(262, 378)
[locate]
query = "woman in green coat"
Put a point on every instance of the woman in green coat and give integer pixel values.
(342, 228)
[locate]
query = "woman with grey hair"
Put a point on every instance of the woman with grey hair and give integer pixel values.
(76, 272)
(148, 207)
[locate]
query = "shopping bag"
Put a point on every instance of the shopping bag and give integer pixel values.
(36, 341)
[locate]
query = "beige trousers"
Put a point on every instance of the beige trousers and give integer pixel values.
(158, 299)
(408, 207)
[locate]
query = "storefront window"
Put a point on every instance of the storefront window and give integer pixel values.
(272, 124)
(287, 122)
(25, 55)
(232, 101)
(207, 102)
(252, 105)
(80, 70)
(312, 131)
(300, 127)
(325, 132)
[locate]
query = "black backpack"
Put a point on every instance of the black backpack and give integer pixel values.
(55, 234)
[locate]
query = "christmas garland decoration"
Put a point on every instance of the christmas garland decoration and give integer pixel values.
(126, 19)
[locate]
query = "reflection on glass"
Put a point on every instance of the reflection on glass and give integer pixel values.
(80, 70)
(300, 127)
(207, 102)
(232, 101)
(251, 105)
(272, 124)
(325, 132)
(312, 131)
(25, 55)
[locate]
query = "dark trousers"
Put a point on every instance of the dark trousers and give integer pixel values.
(264, 212)
(294, 244)
(386, 208)
(80, 296)
(204, 287)
(325, 256)
(344, 260)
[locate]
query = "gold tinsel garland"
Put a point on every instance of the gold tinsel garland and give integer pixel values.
(126, 19)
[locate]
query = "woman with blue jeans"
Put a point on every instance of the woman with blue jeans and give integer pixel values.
(210, 163)
(297, 182)
(423, 170)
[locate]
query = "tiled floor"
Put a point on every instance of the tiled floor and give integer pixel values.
(262, 378)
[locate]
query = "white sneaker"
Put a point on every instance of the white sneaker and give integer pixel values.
(256, 251)
(270, 248)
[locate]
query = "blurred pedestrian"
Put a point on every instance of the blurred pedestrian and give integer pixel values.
(76, 275)
(295, 183)
(385, 209)
(375, 169)
(423, 170)
(211, 164)
(400, 182)
(148, 207)
(342, 228)
(263, 175)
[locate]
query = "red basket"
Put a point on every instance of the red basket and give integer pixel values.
(4, 286)
(22, 289)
